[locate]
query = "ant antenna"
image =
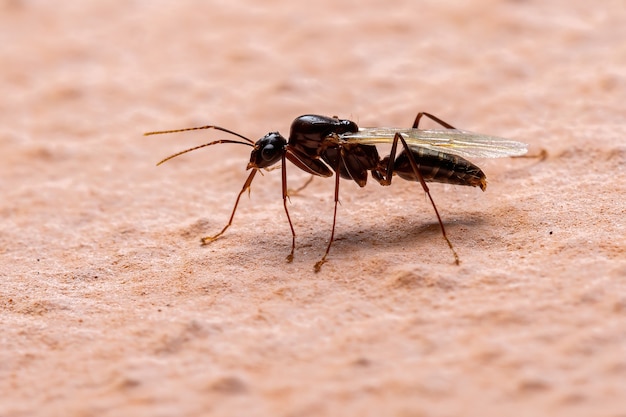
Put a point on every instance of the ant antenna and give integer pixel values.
(199, 128)
(160, 132)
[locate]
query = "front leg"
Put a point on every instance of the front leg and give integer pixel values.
(246, 186)
(296, 191)
(285, 197)
(306, 163)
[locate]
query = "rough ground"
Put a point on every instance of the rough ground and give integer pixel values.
(109, 306)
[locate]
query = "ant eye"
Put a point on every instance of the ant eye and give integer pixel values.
(268, 152)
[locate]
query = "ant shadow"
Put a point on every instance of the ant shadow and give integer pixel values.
(392, 233)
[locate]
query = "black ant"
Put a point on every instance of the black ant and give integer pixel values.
(322, 145)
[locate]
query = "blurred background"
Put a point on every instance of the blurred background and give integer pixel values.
(110, 306)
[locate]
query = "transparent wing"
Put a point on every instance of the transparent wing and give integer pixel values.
(458, 142)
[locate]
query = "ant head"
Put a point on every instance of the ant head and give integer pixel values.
(267, 151)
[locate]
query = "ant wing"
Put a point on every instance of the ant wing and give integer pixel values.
(454, 141)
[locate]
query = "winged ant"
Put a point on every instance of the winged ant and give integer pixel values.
(323, 145)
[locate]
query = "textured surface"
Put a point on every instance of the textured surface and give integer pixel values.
(109, 306)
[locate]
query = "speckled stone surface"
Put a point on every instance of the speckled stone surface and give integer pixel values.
(110, 306)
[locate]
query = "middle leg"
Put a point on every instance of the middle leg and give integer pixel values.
(318, 265)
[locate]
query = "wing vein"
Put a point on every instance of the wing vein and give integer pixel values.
(458, 142)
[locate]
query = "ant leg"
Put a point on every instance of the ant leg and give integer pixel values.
(426, 190)
(542, 155)
(433, 118)
(318, 265)
(285, 197)
(386, 180)
(246, 186)
(291, 193)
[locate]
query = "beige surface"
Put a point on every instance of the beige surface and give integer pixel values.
(109, 306)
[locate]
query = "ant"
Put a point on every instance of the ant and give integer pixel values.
(322, 145)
